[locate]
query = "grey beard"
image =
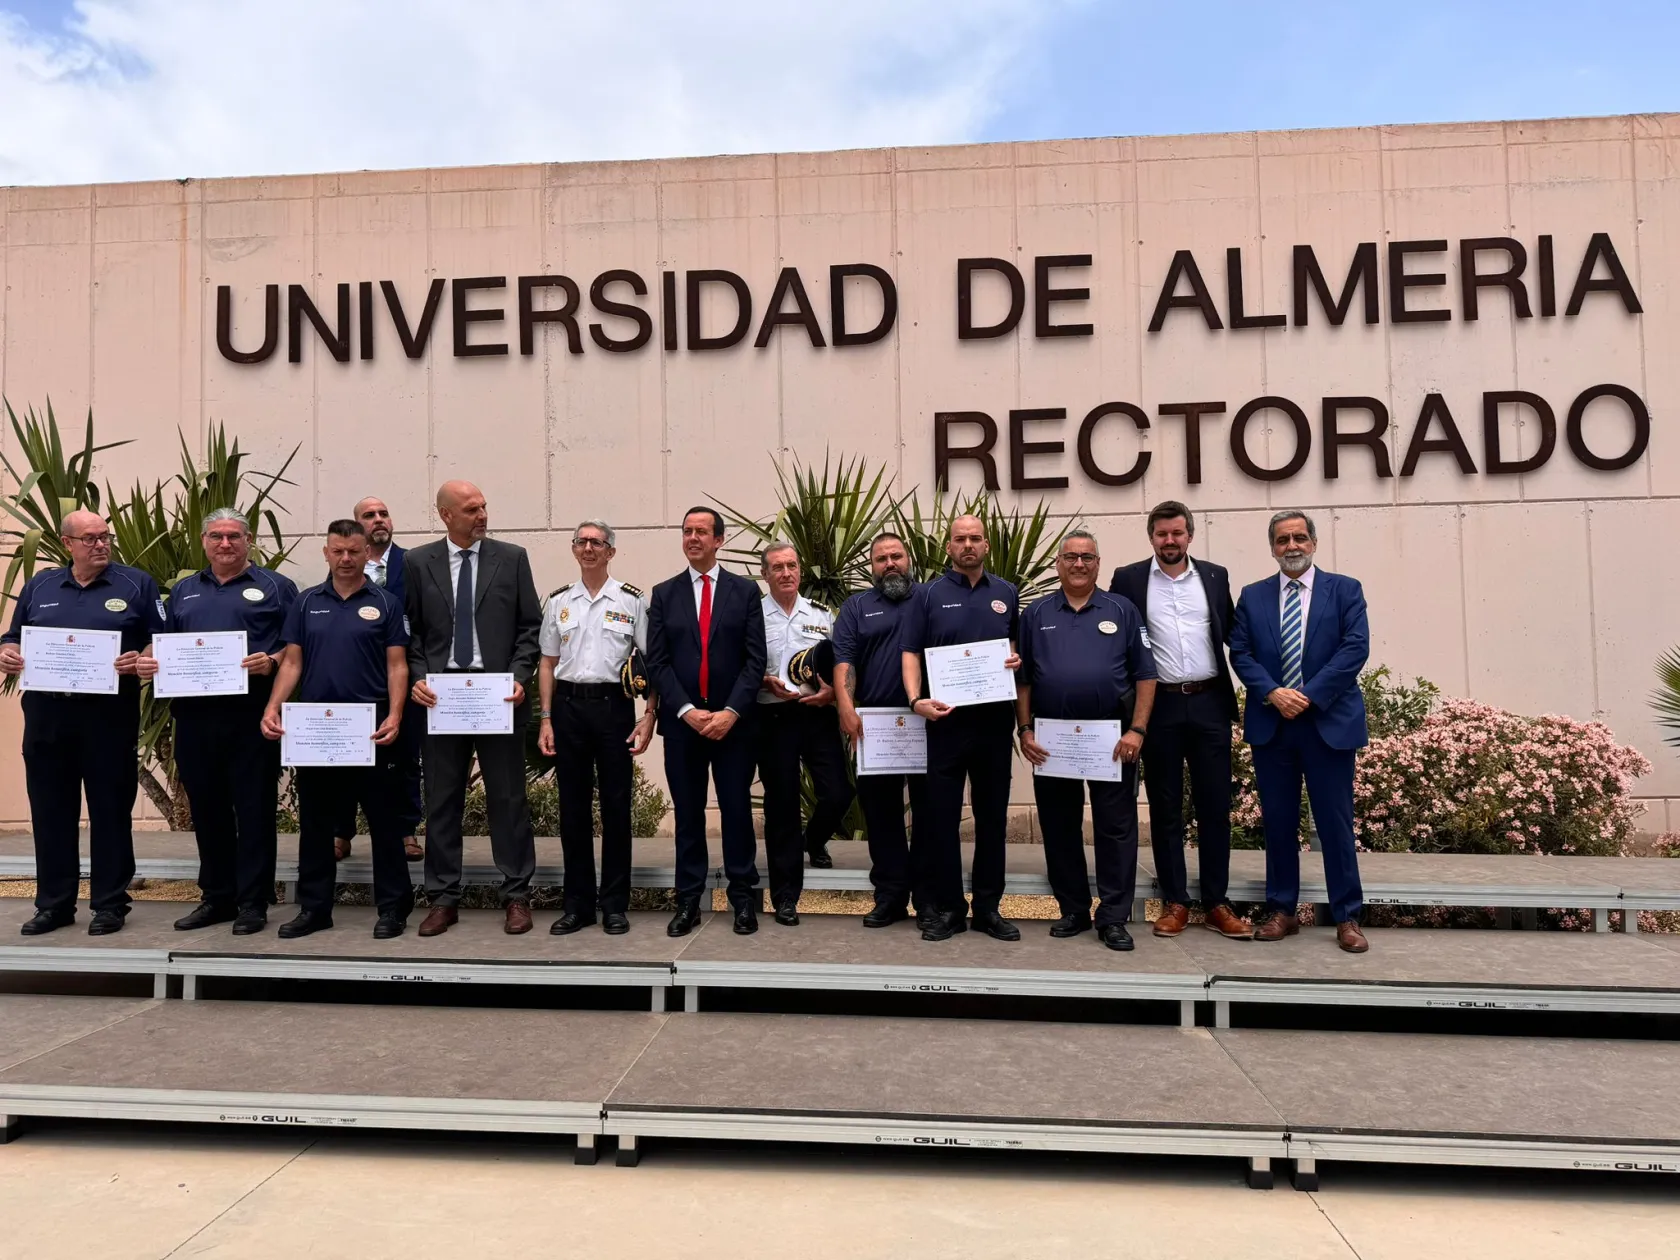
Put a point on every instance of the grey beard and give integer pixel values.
(893, 586)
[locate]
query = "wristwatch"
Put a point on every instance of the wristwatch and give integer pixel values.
(1137, 730)
(1023, 728)
(547, 713)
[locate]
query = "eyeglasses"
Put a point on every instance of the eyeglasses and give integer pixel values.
(225, 538)
(1078, 558)
(589, 542)
(90, 540)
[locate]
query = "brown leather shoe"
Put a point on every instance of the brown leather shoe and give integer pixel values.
(1350, 938)
(1277, 927)
(1173, 919)
(438, 920)
(1224, 920)
(518, 918)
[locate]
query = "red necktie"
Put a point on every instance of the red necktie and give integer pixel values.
(705, 630)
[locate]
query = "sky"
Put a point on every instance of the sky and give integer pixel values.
(106, 90)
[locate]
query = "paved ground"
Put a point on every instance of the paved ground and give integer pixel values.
(157, 1191)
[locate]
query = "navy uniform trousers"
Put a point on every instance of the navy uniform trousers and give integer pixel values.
(689, 758)
(324, 793)
(232, 776)
(592, 724)
(1114, 841)
(973, 744)
(897, 858)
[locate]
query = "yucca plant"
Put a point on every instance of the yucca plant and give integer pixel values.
(1666, 698)
(829, 516)
(1023, 546)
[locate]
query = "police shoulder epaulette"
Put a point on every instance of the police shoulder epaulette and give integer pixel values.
(820, 606)
(635, 592)
(558, 590)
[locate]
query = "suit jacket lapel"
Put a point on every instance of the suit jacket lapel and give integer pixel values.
(1320, 611)
(487, 562)
(439, 565)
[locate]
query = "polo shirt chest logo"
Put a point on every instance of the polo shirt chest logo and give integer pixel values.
(368, 614)
(116, 605)
(253, 594)
(998, 606)
(1108, 627)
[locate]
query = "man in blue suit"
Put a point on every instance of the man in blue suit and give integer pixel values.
(385, 568)
(1298, 643)
(706, 656)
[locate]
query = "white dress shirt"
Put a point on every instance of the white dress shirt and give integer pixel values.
(694, 576)
(455, 585)
(589, 636)
(1180, 630)
(376, 568)
(1306, 581)
(786, 634)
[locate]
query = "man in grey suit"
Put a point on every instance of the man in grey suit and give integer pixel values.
(466, 568)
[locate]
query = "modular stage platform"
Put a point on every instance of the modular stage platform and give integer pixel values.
(1252, 1095)
(1440, 969)
(1413, 879)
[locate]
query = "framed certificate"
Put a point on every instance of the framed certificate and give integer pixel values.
(894, 741)
(82, 661)
(470, 704)
(970, 673)
(208, 664)
(327, 735)
(1080, 750)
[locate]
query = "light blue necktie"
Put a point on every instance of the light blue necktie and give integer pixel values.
(1292, 635)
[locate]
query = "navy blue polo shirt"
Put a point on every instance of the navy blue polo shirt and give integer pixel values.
(948, 611)
(120, 598)
(1080, 664)
(256, 602)
(866, 637)
(344, 642)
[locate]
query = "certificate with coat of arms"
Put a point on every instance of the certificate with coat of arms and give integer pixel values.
(209, 664)
(970, 673)
(327, 735)
(470, 704)
(1080, 749)
(894, 741)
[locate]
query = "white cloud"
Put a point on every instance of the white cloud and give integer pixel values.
(148, 89)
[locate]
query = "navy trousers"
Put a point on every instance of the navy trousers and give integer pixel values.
(1297, 754)
(689, 759)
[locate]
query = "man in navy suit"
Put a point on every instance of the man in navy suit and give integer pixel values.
(706, 655)
(1186, 605)
(1298, 643)
(385, 568)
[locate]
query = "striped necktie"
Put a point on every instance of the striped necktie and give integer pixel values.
(1292, 635)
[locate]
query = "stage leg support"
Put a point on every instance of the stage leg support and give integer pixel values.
(11, 1128)
(1140, 910)
(160, 984)
(658, 1004)
(1305, 1176)
(691, 998)
(1502, 917)
(586, 1152)
(1221, 1014)
(1529, 917)
(1186, 1013)
(189, 988)
(289, 894)
(1630, 921)
(1601, 919)
(629, 1154)
(1259, 1173)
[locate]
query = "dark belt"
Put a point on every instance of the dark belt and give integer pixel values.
(1188, 688)
(588, 691)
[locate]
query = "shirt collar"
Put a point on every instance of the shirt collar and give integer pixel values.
(455, 550)
(1305, 579)
(1090, 602)
(207, 575)
(1155, 567)
(956, 575)
(694, 575)
(69, 579)
(801, 605)
(579, 591)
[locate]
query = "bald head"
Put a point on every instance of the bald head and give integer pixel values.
(88, 539)
(374, 517)
(461, 508)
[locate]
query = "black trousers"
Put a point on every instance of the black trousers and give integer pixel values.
(1114, 838)
(897, 862)
(590, 748)
(232, 777)
(689, 759)
(501, 763)
(790, 733)
(72, 743)
(973, 744)
(1193, 731)
(409, 808)
(323, 794)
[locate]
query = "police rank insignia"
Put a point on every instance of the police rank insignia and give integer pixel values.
(368, 613)
(616, 618)
(1108, 627)
(116, 605)
(565, 614)
(253, 594)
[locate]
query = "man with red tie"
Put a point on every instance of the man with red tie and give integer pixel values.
(706, 655)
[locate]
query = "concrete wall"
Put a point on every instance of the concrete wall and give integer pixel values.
(1550, 591)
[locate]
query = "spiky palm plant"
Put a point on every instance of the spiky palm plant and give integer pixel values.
(1023, 546)
(1666, 698)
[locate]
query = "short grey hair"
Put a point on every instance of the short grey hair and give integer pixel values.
(225, 514)
(1292, 514)
(1081, 532)
(607, 531)
(771, 548)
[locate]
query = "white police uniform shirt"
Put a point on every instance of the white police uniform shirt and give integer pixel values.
(786, 634)
(590, 636)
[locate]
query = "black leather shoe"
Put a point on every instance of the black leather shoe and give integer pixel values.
(787, 914)
(390, 924)
(1115, 936)
(746, 919)
(251, 920)
(106, 922)
(1070, 925)
(47, 921)
(820, 858)
(203, 915)
(614, 923)
(995, 926)
(570, 922)
(303, 925)
(685, 920)
(926, 917)
(943, 925)
(885, 914)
